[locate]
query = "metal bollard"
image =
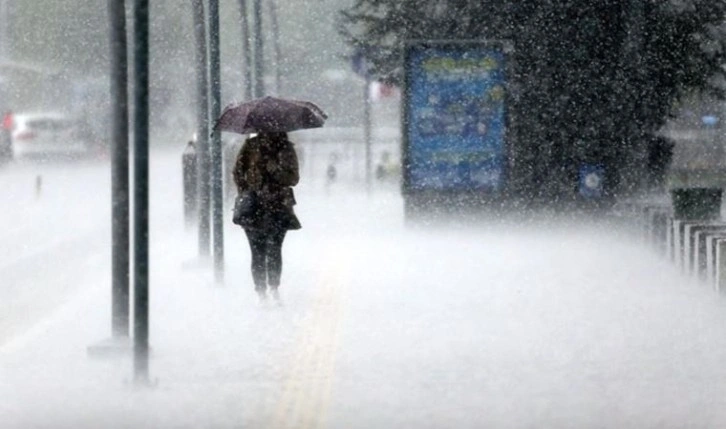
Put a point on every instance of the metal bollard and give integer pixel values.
(695, 246)
(38, 186)
(683, 250)
(700, 249)
(679, 243)
(189, 175)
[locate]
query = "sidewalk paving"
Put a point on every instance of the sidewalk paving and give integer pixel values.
(386, 327)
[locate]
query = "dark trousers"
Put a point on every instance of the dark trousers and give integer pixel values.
(266, 249)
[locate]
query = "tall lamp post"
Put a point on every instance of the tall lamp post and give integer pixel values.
(216, 146)
(119, 172)
(4, 33)
(276, 45)
(141, 191)
(259, 67)
(246, 50)
(120, 231)
(120, 218)
(203, 183)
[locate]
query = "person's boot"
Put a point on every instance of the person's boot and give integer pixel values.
(275, 294)
(261, 294)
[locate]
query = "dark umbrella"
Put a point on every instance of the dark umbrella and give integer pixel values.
(270, 114)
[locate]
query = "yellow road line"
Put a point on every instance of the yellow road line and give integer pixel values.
(308, 389)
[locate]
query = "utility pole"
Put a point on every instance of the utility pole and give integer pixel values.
(214, 113)
(276, 42)
(246, 49)
(259, 57)
(367, 128)
(141, 191)
(200, 43)
(4, 33)
(120, 220)
(120, 236)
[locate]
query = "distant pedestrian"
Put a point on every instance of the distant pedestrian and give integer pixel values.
(331, 173)
(6, 141)
(267, 165)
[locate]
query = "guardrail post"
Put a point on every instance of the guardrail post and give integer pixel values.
(711, 259)
(721, 265)
(700, 249)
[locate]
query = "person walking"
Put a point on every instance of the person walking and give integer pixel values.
(267, 166)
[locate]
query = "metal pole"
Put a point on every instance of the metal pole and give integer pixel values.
(214, 113)
(259, 57)
(200, 41)
(367, 128)
(189, 184)
(141, 191)
(4, 33)
(276, 44)
(120, 235)
(246, 51)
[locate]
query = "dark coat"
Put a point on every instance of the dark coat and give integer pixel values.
(269, 167)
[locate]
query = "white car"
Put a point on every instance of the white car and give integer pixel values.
(47, 134)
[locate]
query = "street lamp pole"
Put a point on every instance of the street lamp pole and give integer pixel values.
(203, 182)
(246, 50)
(141, 191)
(120, 218)
(120, 237)
(276, 41)
(216, 164)
(367, 129)
(4, 33)
(259, 57)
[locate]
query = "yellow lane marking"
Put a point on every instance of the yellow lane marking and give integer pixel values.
(308, 389)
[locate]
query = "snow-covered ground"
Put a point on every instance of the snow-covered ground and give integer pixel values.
(546, 325)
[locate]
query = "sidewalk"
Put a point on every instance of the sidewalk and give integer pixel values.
(548, 326)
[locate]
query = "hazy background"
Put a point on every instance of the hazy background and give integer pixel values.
(59, 51)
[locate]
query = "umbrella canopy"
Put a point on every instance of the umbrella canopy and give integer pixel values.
(270, 114)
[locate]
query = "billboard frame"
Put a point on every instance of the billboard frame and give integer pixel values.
(416, 197)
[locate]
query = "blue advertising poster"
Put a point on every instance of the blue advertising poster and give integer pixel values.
(455, 117)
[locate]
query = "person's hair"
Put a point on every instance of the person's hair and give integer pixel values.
(277, 135)
(274, 137)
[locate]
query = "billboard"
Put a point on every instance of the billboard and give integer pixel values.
(454, 116)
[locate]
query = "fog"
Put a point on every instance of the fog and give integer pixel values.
(551, 323)
(55, 57)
